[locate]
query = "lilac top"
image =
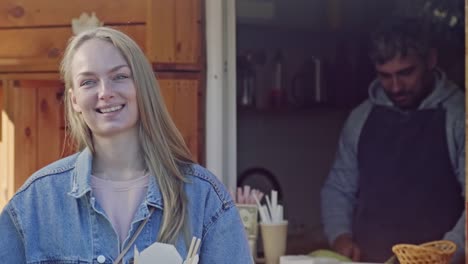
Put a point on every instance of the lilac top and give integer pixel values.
(120, 200)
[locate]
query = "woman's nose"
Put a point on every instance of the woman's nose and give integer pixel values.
(105, 91)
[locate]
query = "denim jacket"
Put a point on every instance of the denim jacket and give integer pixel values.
(54, 218)
(339, 191)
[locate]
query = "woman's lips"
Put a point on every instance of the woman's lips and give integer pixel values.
(110, 109)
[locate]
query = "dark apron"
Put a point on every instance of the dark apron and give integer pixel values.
(408, 192)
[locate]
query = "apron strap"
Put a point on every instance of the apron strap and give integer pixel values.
(134, 237)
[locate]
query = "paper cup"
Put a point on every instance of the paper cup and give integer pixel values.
(274, 238)
(249, 214)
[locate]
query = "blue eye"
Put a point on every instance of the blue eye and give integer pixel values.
(87, 82)
(120, 77)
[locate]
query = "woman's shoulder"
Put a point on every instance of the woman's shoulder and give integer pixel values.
(48, 173)
(205, 183)
(208, 199)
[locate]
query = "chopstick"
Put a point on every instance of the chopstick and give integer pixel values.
(192, 244)
(245, 195)
(193, 249)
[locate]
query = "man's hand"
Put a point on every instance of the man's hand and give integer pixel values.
(345, 245)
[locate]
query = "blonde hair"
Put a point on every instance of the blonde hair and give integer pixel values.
(164, 150)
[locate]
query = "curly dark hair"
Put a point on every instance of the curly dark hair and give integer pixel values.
(399, 36)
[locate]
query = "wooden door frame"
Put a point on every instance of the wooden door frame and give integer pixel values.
(466, 123)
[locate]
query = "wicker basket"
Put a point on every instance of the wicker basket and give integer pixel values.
(439, 252)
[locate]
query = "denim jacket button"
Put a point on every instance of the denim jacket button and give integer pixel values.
(101, 259)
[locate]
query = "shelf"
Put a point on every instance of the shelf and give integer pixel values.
(286, 111)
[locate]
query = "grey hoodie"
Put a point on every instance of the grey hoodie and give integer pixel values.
(339, 191)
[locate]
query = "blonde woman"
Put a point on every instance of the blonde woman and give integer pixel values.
(133, 182)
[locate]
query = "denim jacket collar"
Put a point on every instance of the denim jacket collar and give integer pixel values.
(82, 177)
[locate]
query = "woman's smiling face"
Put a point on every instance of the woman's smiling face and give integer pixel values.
(103, 89)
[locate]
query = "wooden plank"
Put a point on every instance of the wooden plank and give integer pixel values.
(49, 121)
(27, 13)
(180, 97)
(168, 94)
(187, 31)
(186, 113)
(67, 144)
(4, 195)
(9, 129)
(160, 22)
(24, 118)
(52, 141)
(178, 75)
(174, 33)
(186, 67)
(201, 119)
(40, 49)
(7, 150)
(30, 76)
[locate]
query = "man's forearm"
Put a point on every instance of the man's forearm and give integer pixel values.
(336, 212)
(457, 235)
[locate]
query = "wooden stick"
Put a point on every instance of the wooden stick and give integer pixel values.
(195, 250)
(270, 209)
(197, 245)
(189, 253)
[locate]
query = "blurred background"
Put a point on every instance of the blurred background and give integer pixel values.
(302, 66)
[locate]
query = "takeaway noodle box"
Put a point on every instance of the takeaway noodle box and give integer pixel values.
(161, 253)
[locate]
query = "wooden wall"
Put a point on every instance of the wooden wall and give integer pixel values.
(34, 35)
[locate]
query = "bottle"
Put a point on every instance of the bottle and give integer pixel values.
(248, 82)
(277, 89)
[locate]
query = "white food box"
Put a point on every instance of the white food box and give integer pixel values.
(163, 253)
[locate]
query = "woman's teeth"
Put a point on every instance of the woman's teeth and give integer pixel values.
(110, 109)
